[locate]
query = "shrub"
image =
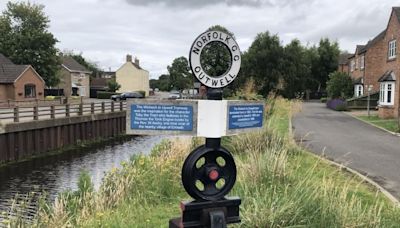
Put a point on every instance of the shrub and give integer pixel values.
(323, 99)
(113, 86)
(337, 104)
(340, 85)
(142, 92)
(105, 95)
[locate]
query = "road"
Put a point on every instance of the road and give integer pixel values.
(341, 138)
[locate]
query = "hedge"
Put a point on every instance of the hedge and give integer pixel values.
(105, 94)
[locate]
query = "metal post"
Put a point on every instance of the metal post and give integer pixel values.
(112, 106)
(92, 108)
(368, 105)
(16, 114)
(52, 112)
(80, 112)
(103, 107)
(35, 113)
(121, 105)
(67, 114)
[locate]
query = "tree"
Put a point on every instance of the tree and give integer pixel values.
(263, 62)
(215, 57)
(113, 85)
(340, 85)
(25, 39)
(84, 62)
(296, 70)
(179, 73)
(162, 83)
(328, 53)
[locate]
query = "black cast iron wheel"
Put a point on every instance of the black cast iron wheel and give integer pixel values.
(208, 174)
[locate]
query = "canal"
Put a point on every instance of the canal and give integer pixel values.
(57, 173)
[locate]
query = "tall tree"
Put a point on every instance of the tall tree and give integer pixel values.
(296, 70)
(180, 75)
(263, 62)
(328, 53)
(25, 39)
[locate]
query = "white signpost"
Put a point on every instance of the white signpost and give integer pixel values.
(213, 119)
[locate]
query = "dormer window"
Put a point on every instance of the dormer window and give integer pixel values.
(392, 49)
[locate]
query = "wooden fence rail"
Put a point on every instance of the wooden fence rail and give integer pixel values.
(17, 114)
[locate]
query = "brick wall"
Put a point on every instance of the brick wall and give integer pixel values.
(28, 77)
(375, 60)
(392, 32)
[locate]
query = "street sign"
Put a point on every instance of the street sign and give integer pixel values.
(200, 42)
(245, 116)
(193, 117)
(162, 117)
(155, 117)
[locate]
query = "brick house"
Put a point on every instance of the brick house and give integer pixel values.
(74, 78)
(19, 82)
(375, 65)
(344, 62)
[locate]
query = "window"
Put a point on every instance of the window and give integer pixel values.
(352, 65)
(362, 62)
(386, 95)
(392, 49)
(30, 90)
(356, 63)
(358, 90)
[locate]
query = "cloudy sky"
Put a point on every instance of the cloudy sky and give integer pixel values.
(157, 31)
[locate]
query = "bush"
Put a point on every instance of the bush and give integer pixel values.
(323, 99)
(337, 104)
(49, 98)
(340, 85)
(105, 95)
(142, 92)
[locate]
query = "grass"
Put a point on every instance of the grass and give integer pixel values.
(388, 124)
(280, 185)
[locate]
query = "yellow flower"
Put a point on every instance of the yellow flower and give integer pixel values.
(141, 161)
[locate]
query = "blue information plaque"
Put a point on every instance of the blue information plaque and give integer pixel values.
(245, 116)
(162, 117)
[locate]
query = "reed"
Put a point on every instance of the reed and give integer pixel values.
(280, 185)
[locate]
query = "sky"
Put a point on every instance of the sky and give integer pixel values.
(158, 31)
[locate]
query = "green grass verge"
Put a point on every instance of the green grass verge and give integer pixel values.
(280, 185)
(388, 124)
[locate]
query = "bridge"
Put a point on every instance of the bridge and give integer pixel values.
(33, 131)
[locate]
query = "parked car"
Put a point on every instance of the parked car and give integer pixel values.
(174, 94)
(125, 96)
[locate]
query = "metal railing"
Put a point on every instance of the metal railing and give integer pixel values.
(18, 114)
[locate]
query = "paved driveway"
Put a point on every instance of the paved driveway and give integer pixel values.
(346, 140)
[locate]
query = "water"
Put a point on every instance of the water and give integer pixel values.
(58, 173)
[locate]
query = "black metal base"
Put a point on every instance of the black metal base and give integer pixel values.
(215, 214)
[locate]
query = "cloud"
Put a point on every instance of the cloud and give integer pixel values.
(202, 3)
(157, 31)
(197, 3)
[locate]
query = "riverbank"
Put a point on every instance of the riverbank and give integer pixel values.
(69, 149)
(279, 183)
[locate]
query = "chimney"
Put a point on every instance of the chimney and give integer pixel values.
(128, 58)
(136, 61)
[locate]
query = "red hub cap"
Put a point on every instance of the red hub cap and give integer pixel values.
(213, 175)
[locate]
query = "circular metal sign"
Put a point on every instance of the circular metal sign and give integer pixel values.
(195, 64)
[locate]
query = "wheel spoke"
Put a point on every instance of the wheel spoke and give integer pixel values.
(210, 188)
(210, 158)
